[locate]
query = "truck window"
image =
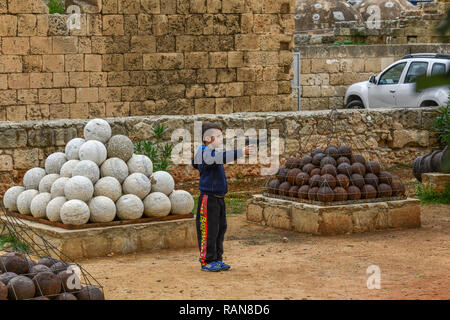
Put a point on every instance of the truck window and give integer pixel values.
(416, 69)
(392, 75)
(438, 68)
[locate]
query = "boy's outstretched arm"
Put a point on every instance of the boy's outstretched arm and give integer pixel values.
(208, 158)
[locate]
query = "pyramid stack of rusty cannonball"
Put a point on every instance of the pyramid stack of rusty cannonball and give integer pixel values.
(97, 179)
(333, 174)
(22, 278)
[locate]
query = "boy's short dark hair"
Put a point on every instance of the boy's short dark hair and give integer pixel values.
(209, 125)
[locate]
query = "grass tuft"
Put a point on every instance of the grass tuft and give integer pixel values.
(12, 243)
(430, 196)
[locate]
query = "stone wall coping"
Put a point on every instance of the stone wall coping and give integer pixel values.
(64, 123)
(62, 233)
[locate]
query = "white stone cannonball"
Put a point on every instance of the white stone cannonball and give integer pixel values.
(181, 202)
(46, 182)
(73, 147)
(32, 178)
(88, 169)
(10, 197)
(24, 201)
(120, 146)
(102, 209)
(163, 182)
(156, 204)
(129, 207)
(54, 209)
(137, 184)
(67, 168)
(54, 162)
(109, 187)
(140, 163)
(97, 129)
(114, 167)
(93, 150)
(75, 212)
(39, 205)
(57, 189)
(79, 188)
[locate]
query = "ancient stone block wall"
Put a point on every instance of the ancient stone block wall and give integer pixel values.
(327, 70)
(392, 136)
(140, 57)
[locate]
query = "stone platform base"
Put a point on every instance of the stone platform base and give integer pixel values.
(436, 181)
(124, 239)
(331, 220)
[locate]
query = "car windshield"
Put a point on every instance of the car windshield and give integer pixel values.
(392, 76)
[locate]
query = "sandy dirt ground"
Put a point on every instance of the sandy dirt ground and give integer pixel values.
(414, 264)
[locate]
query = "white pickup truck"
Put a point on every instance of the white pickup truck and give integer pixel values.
(395, 85)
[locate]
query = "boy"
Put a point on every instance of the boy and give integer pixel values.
(211, 214)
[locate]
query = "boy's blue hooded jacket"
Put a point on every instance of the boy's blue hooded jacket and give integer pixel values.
(210, 165)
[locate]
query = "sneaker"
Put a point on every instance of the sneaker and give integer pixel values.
(212, 267)
(223, 265)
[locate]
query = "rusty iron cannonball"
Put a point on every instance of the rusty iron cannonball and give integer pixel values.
(318, 158)
(385, 177)
(357, 180)
(357, 158)
(368, 192)
(345, 151)
(90, 293)
(371, 179)
(314, 180)
(293, 191)
(47, 284)
(330, 169)
(20, 288)
(332, 151)
(284, 188)
(398, 189)
(301, 179)
(384, 190)
(325, 194)
(303, 192)
(272, 186)
(308, 168)
(327, 160)
(292, 174)
(341, 160)
(312, 193)
(340, 194)
(342, 181)
(327, 180)
(373, 167)
(14, 262)
(354, 193)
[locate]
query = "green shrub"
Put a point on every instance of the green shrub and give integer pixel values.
(442, 124)
(160, 153)
(429, 195)
(56, 6)
(11, 242)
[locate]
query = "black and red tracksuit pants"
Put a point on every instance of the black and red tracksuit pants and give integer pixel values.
(211, 222)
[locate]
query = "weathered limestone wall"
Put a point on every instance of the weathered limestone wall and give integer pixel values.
(393, 136)
(327, 70)
(141, 57)
(412, 26)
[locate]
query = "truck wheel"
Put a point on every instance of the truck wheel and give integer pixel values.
(355, 104)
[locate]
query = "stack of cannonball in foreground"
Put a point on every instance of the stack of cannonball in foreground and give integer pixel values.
(97, 179)
(22, 278)
(334, 174)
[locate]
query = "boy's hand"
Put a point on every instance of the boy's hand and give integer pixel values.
(249, 149)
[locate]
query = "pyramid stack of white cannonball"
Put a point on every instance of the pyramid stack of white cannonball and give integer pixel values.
(97, 179)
